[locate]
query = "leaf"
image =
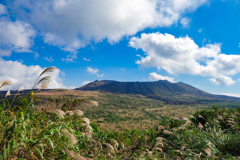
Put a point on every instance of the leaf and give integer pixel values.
(51, 143)
(14, 145)
(41, 154)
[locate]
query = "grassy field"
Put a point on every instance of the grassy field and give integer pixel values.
(54, 128)
(69, 124)
(124, 111)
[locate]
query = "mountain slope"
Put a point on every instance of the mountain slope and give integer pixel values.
(173, 93)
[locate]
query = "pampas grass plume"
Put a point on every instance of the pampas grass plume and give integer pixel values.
(8, 94)
(44, 85)
(78, 112)
(159, 143)
(48, 70)
(21, 89)
(160, 127)
(200, 126)
(86, 120)
(185, 119)
(109, 147)
(5, 83)
(114, 142)
(220, 118)
(208, 151)
(160, 139)
(87, 135)
(70, 137)
(176, 118)
(99, 145)
(77, 156)
(58, 112)
(157, 149)
(167, 132)
(93, 103)
(70, 113)
(191, 116)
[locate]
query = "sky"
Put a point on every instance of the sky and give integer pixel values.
(192, 41)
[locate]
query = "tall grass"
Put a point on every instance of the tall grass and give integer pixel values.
(59, 131)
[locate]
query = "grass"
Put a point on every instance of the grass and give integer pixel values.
(29, 134)
(55, 128)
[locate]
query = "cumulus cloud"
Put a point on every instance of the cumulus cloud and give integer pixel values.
(156, 77)
(222, 80)
(71, 24)
(49, 59)
(86, 82)
(15, 36)
(3, 9)
(70, 57)
(185, 22)
(91, 70)
(22, 75)
(85, 59)
(183, 56)
(94, 71)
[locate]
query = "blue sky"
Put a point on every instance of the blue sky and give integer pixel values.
(191, 41)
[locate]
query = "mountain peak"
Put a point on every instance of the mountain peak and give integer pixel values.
(174, 93)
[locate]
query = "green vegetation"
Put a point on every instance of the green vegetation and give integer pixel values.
(57, 130)
(54, 134)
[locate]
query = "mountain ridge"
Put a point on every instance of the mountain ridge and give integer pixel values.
(171, 93)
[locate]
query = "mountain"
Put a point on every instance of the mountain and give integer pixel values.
(171, 93)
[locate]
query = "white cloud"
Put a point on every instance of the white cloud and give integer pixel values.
(3, 9)
(222, 80)
(22, 75)
(94, 71)
(15, 36)
(239, 45)
(36, 55)
(71, 24)
(100, 75)
(156, 77)
(91, 70)
(231, 94)
(185, 22)
(183, 56)
(70, 87)
(70, 57)
(86, 82)
(50, 59)
(200, 30)
(85, 59)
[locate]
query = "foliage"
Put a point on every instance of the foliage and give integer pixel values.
(31, 134)
(59, 131)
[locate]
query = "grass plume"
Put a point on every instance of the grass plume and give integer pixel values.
(48, 70)
(5, 83)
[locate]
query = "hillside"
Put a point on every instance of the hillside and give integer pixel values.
(171, 93)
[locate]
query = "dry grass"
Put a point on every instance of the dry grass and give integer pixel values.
(5, 83)
(127, 109)
(176, 111)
